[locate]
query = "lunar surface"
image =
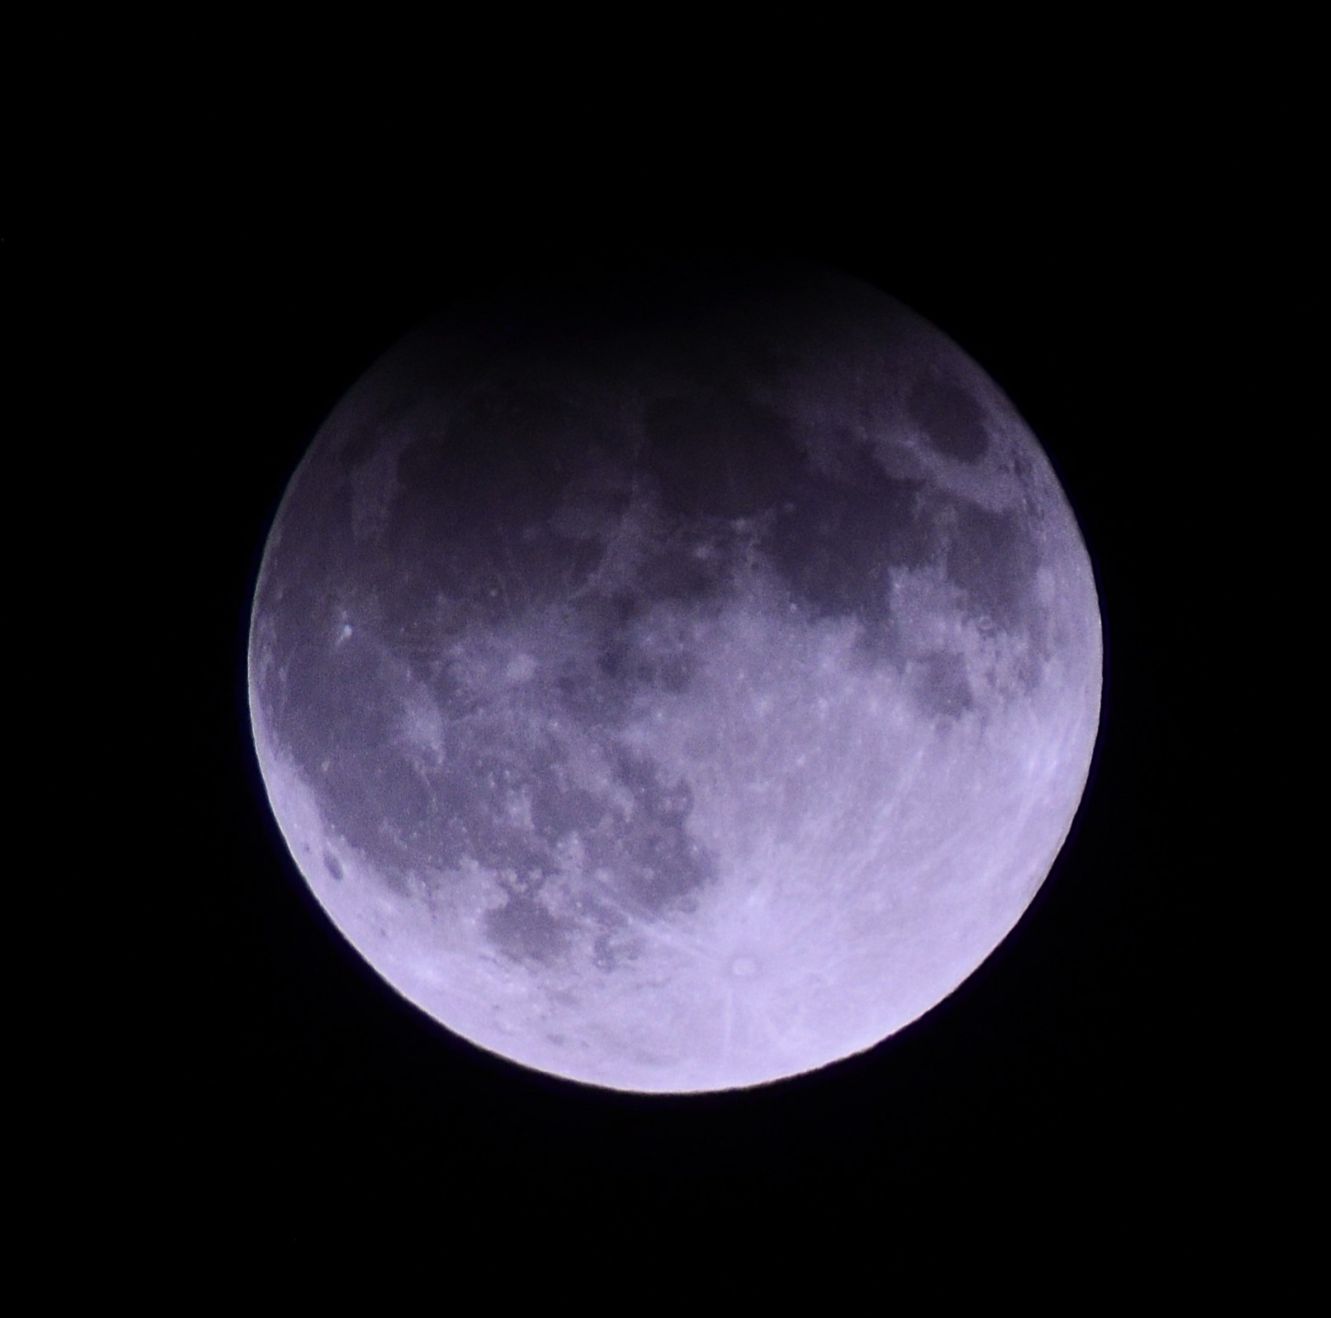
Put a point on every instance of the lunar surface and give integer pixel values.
(679, 686)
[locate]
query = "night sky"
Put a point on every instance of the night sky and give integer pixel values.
(279, 1088)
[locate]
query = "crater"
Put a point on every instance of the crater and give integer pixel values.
(523, 930)
(940, 686)
(950, 418)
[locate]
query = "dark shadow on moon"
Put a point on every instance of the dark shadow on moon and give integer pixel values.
(719, 455)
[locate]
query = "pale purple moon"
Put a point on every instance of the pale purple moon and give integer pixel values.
(680, 687)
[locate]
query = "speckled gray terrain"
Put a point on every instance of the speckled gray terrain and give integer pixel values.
(680, 687)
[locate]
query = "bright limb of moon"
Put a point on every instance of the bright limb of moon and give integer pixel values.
(676, 689)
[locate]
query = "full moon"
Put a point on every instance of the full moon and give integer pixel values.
(676, 685)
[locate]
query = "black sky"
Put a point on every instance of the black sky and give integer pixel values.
(283, 1086)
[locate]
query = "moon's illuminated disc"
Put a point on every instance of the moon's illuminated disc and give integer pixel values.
(677, 688)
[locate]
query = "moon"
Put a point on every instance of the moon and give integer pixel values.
(679, 684)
